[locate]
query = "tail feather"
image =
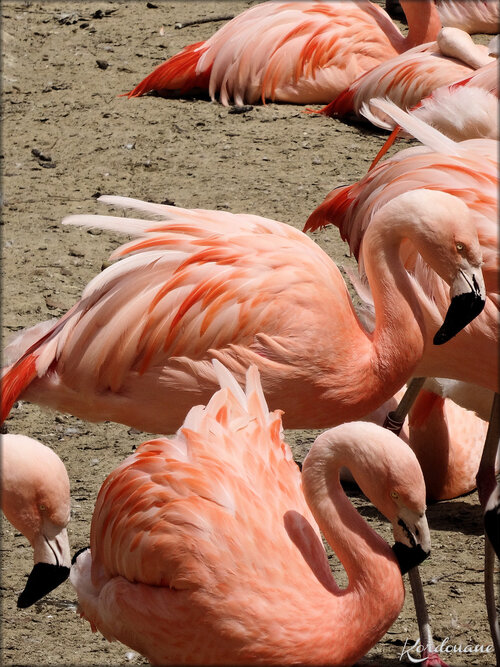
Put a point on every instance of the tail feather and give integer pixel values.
(15, 381)
(178, 74)
(331, 211)
(342, 105)
(426, 403)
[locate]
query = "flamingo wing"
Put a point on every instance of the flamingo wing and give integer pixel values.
(194, 286)
(404, 79)
(467, 169)
(478, 16)
(290, 51)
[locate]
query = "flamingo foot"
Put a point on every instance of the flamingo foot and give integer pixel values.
(432, 659)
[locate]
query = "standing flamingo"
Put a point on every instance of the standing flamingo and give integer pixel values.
(447, 440)
(472, 16)
(205, 548)
(468, 170)
(300, 52)
(411, 76)
(36, 501)
(246, 290)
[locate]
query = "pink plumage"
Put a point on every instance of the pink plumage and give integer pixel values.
(36, 500)
(468, 170)
(205, 550)
(198, 285)
(301, 52)
(473, 16)
(408, 78)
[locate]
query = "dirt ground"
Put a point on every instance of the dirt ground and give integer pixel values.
(67, 136)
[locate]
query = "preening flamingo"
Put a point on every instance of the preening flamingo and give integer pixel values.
(205, 548)
(36, 501)
(301, 52)
(413, 75)
(472, 16)
(198, 285)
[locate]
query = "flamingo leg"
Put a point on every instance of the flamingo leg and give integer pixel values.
(395, 419)
(487, 486)
(432, 659)
(394, 422)
(489, 495)
(489, 591)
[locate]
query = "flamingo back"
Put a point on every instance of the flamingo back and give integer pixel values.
(290, 51)
(474, 16)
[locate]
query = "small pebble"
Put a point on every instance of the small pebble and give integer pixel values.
(102, 64)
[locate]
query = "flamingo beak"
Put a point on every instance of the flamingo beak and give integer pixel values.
(413, 541)
(52, 565)
(468, 296)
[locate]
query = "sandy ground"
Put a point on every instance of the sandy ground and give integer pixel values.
(67, 136)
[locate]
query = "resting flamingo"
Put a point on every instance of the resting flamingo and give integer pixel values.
(36, 501)
(467, 109)
(300, 52)
(413, 75)
(473, 16)
(206, 548)
(198, 285)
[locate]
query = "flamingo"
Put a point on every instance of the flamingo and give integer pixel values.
(466, 169)
(300, 52)
(472, 16)
(464, 110)
(469, 169)
(198, 285)
(36, 501)
(206, 548)
(413, 75)
(446, 438)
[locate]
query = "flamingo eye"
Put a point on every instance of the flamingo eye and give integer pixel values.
(459, 246)
(395, 495)
(42, 506)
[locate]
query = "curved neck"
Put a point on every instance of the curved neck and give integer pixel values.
(399, 335)
(423, 22)
(375, 589)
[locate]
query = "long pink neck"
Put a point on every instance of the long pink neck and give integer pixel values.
(399, 335)
(423, 22)
(375, 592)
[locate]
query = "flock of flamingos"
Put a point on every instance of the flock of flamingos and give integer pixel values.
(205, 548)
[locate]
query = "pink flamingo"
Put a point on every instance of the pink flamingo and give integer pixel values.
(447, 440)
(411, 76)
(206, 548)
(36, 501)
(473, 16)
(445, 437)
(468, 170)
(467, 109)
(300, 52)
(198, 285)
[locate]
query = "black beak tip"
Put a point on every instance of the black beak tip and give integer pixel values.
(43, 578)
(463, 309)
(409, 557)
